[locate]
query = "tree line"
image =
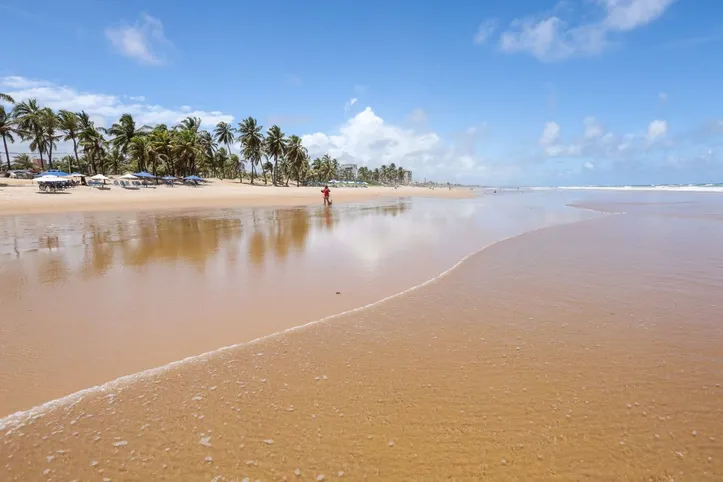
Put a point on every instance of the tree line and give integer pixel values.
(179, 150)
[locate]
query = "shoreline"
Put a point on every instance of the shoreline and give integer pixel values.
(11, 421)
(23, 198)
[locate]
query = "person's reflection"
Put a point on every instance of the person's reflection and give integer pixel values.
(328, 219)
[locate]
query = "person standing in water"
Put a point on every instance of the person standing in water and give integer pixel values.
(326, 192)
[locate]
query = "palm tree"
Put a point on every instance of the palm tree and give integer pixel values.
(185, 149)
(161, 140)
(221, 159)
(275, 147)
(190, 124)
(6, 98)
(92, 141)
(69, 124)
(22, 161)
(7, 129)
(238, 165)
(50, 126)
(224, 134)
(139, 151)
(267, 166)
(30, 121)
(207, 148)
(297, 157)
(115, 160)
(252, 141)
(123, 133)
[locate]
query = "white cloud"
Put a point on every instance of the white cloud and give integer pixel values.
(137, 98)
(550, 134)
(589, 165)
(550, 38)
(145, 41)
(104, 108)
(629, 14)
(366, 139)
(663, 97)
(657, 129)
(485, 31)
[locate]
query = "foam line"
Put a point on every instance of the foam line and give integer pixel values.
(18, 419)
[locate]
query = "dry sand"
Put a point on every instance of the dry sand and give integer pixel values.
(583, 352)
(23, 197)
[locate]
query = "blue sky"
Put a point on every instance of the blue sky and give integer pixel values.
(518, 92)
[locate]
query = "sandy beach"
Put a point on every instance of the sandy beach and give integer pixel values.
(581, 346)
(23, 197)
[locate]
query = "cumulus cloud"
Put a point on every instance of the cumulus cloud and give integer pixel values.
(366, 139)
(485, 31)
(549, 37)
(105, 108)
(663, 97)
(657, 129)
(595, 142)
(145, 41)
(550, 134)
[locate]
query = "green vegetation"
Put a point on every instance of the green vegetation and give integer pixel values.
(180, 150)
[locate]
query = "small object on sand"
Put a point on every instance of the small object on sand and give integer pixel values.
(298, 472)
(391, 443)
(338, 292)
(341, 473)
(208, 459)
(268, 441)
(320, 477)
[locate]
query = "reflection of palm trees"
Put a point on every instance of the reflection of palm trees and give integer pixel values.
(191, 238)
(282, 230)
(52, 267)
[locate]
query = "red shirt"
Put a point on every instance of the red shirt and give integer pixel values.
(325, 191)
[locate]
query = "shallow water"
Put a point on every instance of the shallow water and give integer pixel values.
(585, 351)
(89, 297)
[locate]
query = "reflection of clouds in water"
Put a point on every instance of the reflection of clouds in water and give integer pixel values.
(374, 239)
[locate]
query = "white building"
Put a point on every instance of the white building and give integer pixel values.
(347, 172)
(407, 178)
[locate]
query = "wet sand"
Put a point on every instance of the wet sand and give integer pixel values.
(585, 351)
(23, 197)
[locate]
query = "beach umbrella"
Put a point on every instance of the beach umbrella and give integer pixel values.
(192, 178)
(100, 177)
(77, 174)
(128, 176)
(144, 175)
(55, 172)
(169, 178)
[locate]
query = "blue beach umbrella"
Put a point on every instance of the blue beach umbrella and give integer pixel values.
(169, 178)
(54, 172)
(145, 175)
(192, 178)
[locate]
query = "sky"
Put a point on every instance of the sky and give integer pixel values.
(521, 92)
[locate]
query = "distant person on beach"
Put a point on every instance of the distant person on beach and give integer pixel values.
(326, 192)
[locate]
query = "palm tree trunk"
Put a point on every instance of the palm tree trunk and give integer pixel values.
(7, 154)
(42, 161)
(275, 174)
(253, 171)
(50, 155)
(77, 161)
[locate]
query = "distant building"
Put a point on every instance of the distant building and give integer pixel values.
(347, 172)
(407, 178)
